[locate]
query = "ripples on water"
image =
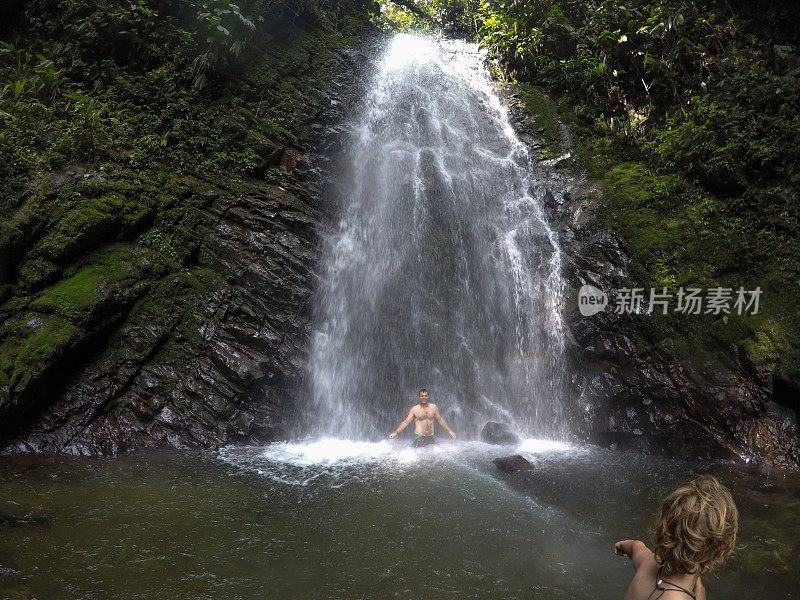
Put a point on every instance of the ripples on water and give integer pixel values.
(342, 519)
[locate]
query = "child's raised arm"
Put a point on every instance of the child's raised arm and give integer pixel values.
(635, 550)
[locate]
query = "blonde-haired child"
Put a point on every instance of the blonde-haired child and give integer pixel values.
(694, 533)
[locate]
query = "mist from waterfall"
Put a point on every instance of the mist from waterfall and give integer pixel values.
(441, 271)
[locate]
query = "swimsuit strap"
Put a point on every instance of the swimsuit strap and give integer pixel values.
(677, 588)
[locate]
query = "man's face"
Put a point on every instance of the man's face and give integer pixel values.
(423, 398)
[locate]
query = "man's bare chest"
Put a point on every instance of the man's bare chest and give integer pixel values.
(424, 415)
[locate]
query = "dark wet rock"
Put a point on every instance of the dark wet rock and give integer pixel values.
(198, 364)
(633, 396)
(776, 436)
(513, 464)
(499, 434)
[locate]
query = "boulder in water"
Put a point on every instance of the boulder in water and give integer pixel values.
(499, 434)
(513, 464)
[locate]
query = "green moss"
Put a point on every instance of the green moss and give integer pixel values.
(35, 340)
(155, 238)
(545, 119)
(202, 279)
(76, 297)
(597, 148)
(37, 272)
(769, 342)
(105, 277)
(636, 203)
(112, 404)
(93, 219)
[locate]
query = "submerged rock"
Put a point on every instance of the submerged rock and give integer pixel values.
(499, 434)
(513, 464)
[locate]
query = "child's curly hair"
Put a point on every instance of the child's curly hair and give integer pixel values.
(696, 527)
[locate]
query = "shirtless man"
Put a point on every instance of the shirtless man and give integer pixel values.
(423, 415)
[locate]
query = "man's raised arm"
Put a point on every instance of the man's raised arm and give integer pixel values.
(403, 425)
(441, 422)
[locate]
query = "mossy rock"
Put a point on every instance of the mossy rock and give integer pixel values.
(31, 344)
(545, 119)
(769, 342)
(92, 220)
(106, 277)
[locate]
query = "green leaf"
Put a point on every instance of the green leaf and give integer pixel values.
(17, 87)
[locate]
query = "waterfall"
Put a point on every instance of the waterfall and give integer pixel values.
(440, 271)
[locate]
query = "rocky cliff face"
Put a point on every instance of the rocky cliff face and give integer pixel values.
(193, 358)
(154, 308)
(633, 396)
(628, 393)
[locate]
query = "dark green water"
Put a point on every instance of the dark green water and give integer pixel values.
(363, 521)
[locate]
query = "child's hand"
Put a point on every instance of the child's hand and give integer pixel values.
(622, 549)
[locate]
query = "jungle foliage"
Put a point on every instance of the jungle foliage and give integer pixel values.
(144, 81)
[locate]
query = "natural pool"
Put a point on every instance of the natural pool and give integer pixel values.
(337, 519)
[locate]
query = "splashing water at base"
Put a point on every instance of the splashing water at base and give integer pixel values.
(332, 462)
(442, 271)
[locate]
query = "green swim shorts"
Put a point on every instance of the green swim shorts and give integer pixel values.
(423, 440)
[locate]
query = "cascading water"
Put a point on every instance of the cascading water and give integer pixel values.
(442, 272)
